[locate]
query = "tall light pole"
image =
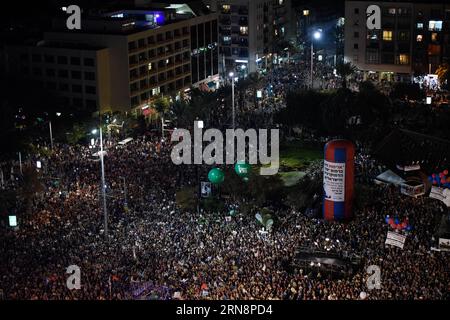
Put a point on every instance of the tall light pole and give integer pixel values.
(20, 162)
(316, 36)
(125, 190)
(58, 114)
(105, 211)
(232, 98)
(51, 133)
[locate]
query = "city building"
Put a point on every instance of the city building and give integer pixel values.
(121, 60)
(329, 19)
(249, 30)
(412, 42)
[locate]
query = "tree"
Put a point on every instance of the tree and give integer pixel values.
(162, 105)
(336, 110)
(77, 133)
(345, 70)
(302, 108)
(443, 73)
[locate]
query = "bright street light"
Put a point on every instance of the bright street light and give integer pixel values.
(94, 131)
(317, 35)
(231, 74)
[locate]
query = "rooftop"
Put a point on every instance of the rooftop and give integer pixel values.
(129, 20)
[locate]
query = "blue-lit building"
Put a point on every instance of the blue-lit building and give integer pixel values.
(121, 60)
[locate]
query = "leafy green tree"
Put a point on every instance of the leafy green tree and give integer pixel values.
(345, 70)
(162, 105)
(443, 73)
(77, 133)
(303, 108)
(336, 110)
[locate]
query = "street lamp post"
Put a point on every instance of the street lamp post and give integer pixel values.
(20, 162)
(103, 183)
(125, 190)
(232, 99)
(105, 211)
(51, 134)
(316, 36)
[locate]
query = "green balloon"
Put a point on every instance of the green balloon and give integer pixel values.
(242, 169)
(216, 176)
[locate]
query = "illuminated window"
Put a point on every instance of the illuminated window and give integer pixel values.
(306, 12)
(226, 8)
(387, 35)
(403, 59)
(420, 25)
(419, 38)
(391, 11)
(243, 30)
(434, 25)
(434, 36)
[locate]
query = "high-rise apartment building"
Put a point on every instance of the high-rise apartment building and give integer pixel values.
(248, 31)
(413, 39)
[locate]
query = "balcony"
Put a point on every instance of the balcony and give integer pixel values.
(136, 50)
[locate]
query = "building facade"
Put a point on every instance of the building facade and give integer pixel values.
(122, 60)
(329, 20)
(413, 39)
(248, 31)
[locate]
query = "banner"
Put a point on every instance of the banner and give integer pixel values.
(334, 181)
(441, 194)
(395, 239)
(205, 189)
(412, 191)
(444, 244)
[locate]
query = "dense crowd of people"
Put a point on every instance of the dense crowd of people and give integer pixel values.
(153, 247)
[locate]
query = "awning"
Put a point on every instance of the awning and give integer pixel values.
(124, 142)
(391, 178)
